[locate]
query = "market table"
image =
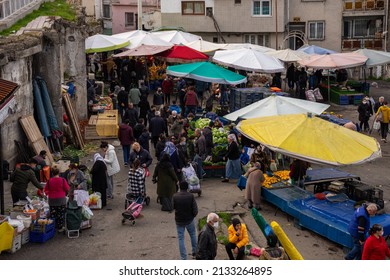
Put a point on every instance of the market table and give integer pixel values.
(107, 123)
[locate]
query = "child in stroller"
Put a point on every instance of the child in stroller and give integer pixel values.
(190, 177)
(136, 184)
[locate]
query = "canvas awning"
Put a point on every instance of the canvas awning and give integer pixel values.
(7, 101)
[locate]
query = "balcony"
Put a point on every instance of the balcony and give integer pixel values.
(368, 5)
(368, 43)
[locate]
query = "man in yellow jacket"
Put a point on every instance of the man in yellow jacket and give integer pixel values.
(238, 238)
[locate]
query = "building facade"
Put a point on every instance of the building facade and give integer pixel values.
(125, 15)
(337, 25)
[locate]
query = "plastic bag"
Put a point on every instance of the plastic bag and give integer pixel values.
(376, 125)
(86, 212)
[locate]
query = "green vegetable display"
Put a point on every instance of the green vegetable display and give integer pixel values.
(202, 123)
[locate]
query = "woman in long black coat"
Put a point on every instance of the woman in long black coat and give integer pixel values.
(99, 177)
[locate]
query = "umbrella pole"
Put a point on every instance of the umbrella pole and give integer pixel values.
(328, 87)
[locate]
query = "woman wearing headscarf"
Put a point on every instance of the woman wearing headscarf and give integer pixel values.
(176, 161)
(165, 177)
(233, 165)
(253, 185)
(99, 177)
(375, 247)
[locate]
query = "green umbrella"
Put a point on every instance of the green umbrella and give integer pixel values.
(206, 72)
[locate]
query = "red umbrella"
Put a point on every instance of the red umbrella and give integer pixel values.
(183, 54)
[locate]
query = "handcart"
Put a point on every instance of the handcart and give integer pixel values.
(133, 211)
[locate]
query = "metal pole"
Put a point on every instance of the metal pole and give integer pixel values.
(1, 176)
(139, 14)
(276, 24)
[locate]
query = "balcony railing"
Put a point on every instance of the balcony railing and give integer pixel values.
(9, 7)
(369, 43)
(364, 5)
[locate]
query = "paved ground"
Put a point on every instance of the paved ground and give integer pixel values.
(154, 236)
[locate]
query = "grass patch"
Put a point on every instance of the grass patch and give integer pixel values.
(224, 217)
(57, 8)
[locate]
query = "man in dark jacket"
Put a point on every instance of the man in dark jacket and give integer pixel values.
(156, 127)
(132, 115)
(208, 135)
(139, 153)
(358, 228)
(21, 177)
(122, 102)
(186, 210)
(207, 240)
(126, 137)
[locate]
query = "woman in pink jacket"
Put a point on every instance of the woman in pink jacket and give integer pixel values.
(56, 189)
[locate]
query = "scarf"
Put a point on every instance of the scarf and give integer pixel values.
(97, 157)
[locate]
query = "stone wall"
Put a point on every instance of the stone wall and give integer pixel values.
(52, 54)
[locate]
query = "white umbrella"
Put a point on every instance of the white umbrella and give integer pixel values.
(104, 43)
(374, 57)
(204, 46)
(288, 55)
(129, 34)
(147, 39)
(247, 46)
(249, 60)
(277, 105)
(143, 50)
(177, 37)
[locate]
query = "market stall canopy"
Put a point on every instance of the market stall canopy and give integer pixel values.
(248, 46)
(375, 58)
(204, 46)
(182, 54)
(104, 43)
(277, 105)
(177, 37)
(147, 39)
(249, 60)
(311, 139)
(313, 49)
(129, 34)
(143, 50)
(333, 61)
(288, 55)
(206, 72)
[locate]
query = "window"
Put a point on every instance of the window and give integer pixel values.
(106, 11)
(261, 8)
(261, 40)
(358, 28)
(237, 2)
(129, 19)
(192, 8)
(316, 30)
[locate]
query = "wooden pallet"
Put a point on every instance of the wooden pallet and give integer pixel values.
(34, 135)
(91, 134)
(73, 121)
(93, 120)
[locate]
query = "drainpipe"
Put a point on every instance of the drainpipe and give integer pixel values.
(276, 21)
(139, 14)
(385, 25)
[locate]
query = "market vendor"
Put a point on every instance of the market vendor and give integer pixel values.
(21, 177)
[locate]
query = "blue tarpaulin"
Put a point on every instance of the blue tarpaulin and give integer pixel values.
(40, 110)
(51, 117)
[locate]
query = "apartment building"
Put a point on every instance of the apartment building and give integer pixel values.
(125, 15)
(334, 24)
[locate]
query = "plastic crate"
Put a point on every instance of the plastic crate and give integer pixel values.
(16, 243)
(25, 236)
(35, 227)
(214, 171)
(41, 237)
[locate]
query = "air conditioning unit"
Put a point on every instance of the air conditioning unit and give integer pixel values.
(209, 11)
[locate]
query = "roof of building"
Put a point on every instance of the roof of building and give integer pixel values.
(7, 89)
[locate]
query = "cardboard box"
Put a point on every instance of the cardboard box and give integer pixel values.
(25, 236)
(16, 243)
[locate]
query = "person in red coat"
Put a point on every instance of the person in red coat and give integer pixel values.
(167, 89)
(126, 137)
(375, 247)
(56, 190)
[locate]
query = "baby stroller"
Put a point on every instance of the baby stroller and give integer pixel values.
(189, 175)
(133, 211)
(73, 219)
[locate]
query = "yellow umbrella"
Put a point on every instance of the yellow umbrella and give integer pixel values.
(311, 139)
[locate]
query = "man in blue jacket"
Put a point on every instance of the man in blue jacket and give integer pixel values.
(358, 228)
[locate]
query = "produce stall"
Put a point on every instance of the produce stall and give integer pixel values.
(330, 215)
